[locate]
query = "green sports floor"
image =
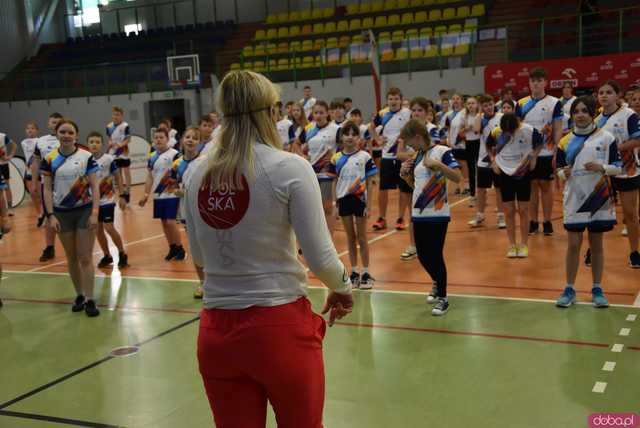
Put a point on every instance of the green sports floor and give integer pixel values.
(488, 363)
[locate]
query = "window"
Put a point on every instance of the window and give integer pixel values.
(90, 13)
(132, 28)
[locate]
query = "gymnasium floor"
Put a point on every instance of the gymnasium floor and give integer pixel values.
(504, 356)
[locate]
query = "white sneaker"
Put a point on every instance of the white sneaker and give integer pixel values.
(409, 253)
(625, 231)
(477, 221)
(523, 252)
(502, 224)
(513, 252)
(432, 297)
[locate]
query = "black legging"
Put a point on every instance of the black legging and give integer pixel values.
(430, 238)
(473, 151)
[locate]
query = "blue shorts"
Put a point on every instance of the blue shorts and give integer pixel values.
(166, 209)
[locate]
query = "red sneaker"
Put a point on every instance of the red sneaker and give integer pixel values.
(400, 225)
(380, 224)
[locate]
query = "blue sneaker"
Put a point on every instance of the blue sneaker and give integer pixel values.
(599, 301)
(567, 298)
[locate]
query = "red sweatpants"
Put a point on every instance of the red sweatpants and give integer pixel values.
(257, 354)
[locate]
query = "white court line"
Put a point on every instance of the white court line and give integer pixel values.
(599, 387)
(609, 366)
(38, 269)
(632, 317)
(618, 347)
(624, 331)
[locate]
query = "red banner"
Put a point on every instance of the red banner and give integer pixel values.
(583, 72)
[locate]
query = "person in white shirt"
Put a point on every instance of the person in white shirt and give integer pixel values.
(455, 123)
(472, 143)
(119, 134)
(299, 123)
(307, 102)
(392, 119)
(28, 148)
(45, 145)
(259, 340)
(567, 98)
(587, 159)
(284, 125)
(7, 152)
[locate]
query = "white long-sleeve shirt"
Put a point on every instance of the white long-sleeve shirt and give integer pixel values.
(245, 240)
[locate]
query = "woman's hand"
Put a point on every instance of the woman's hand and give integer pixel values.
(594, 167)
(566, 171)
(407, 166)
(180, 193)
(93, 220)
(53, 223)
(495, 168)
(338, 305)
(122, 203)
(143, 201)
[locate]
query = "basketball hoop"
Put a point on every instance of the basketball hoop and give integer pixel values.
(183, 71)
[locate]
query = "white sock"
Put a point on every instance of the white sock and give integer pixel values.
(354, 269)
(365, 270)
(597, 284)
(570, 286)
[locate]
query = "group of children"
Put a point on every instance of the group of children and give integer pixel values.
(416, 146)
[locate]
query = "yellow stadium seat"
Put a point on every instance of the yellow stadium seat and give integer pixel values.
(416, 3)
(478, 10)
(307, 45)
(416, 51)
(318, 44)
(353, 9)
(435, 15)
(305, 15)
(381, 21)
(431, 51)
(420, 17)
(463, 12)
(357, 39)
(332, 43)
(393, 20)
(344, 41)
(272, 19)
(328, 12)
(259, 50)
(306, 30)
(407, 19)
(390, 5)
(403, 4)
(283, 17)
(402, 53)
(296, 62)
(247, 51)
(385, 36)
(283, 47)
(316, 14)
(377, 6)
(318, 61)
(272, 65)
(318, 28)
(440, 30)
(294, 16)
(367, 23)
(471, 24)
(295, 46)
(411, 33)
(272, 33)
(343, 26)
(330, 27)
(235, 66)
(307, 62)
(449, 13)
(354, 25)
(397, 36)
(428, 2)
(426, 32)
(344, 59)
(283, 32)
(365, 8)
(260, 35)
(294, 31)
(272, 48)
(283, 64)
(446, 50)
(462, 49)
(247, 65)
(386, 55)
(258, 66)
(455, 28)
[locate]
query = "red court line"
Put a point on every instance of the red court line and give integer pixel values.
(358, 325)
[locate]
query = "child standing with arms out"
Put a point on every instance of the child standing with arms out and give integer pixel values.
(107, 173)
(119, 135)
(164, 186)
(354, 167)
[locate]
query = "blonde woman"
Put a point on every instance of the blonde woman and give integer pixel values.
(259, 339)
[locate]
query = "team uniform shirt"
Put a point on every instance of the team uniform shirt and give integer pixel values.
(436, 133)
(454, 123)
(28, 148)
(106, 176)
(513, 154)
(283, 127)
(392, 123)
(205, 146)
(117, 134)
(487, 125)
(173, 143)
(307, 105)
(430, 201)
(441, 118)
(623, 124)
(321, 145)
(566, 105)
(352, 170)
(471, 135)
(541, 114)
(160, 164)
(45, 145)
(182, 171)
(70, 176)
(588, 195)
(4, 150)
